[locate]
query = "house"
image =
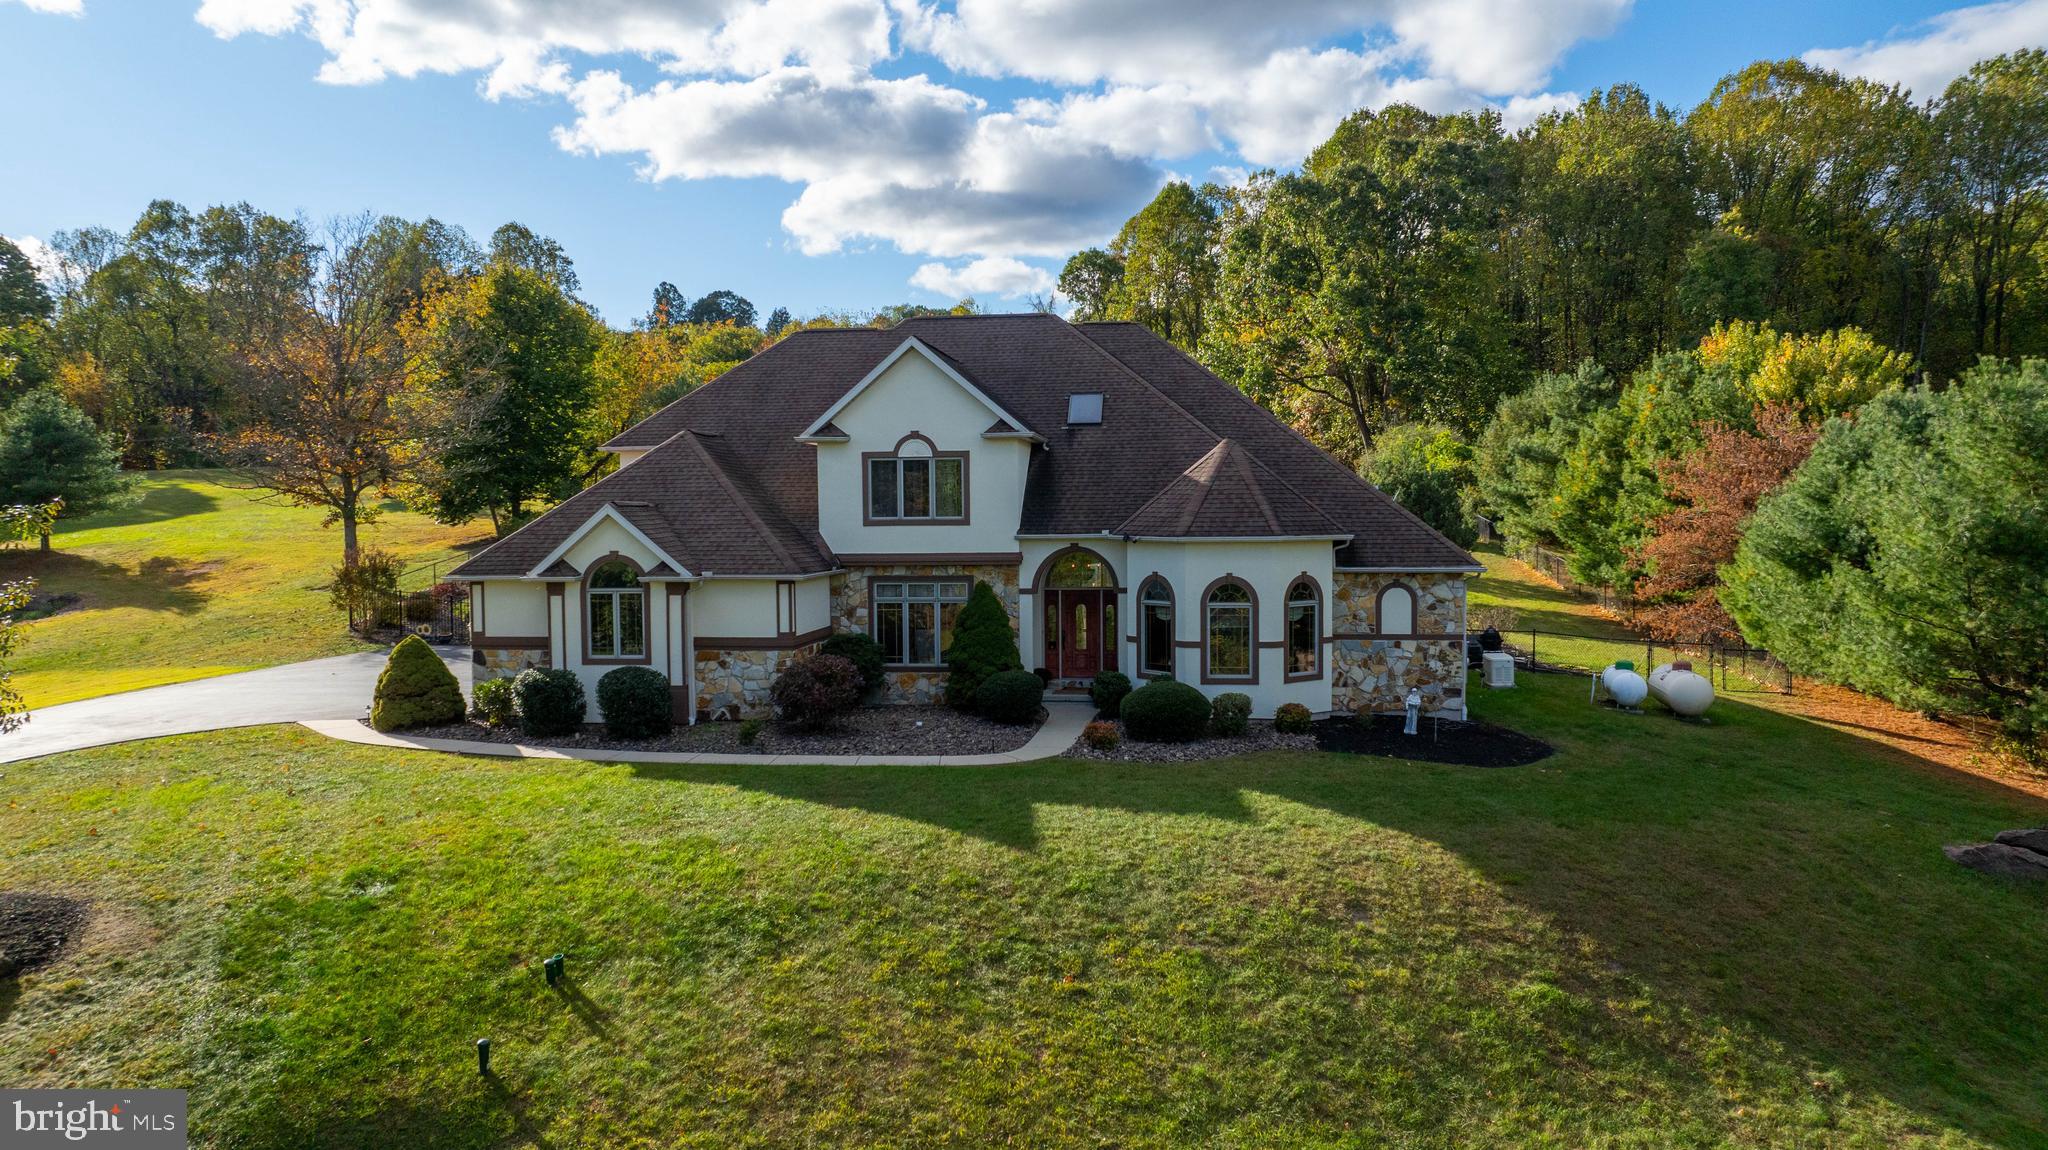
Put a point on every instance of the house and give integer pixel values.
(1131, 510)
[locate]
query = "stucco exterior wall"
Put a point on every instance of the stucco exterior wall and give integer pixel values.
(1270, 569)
(913, 395)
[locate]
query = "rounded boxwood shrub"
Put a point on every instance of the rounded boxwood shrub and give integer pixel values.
(1292, 719)
(860, 649)
(1102, 736)
(1109, 690)
(812, 692)
(550, 701)
(416, 689)
(1010, 697)
(1230, 714)
(490, 702)
(636, 703)
(1164, 711)
(983, 644)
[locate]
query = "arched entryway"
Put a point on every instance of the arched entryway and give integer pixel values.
(1077, 592)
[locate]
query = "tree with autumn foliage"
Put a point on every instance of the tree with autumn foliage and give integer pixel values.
(323, 433)
(1716, 487)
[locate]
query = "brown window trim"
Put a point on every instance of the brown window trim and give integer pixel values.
(1286, 631)
(1045, 569)
(1379, 613)
(646, 655)
(1209, 679)
(867, 505)
(875, 615)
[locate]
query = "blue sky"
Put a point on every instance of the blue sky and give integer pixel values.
(822, 154)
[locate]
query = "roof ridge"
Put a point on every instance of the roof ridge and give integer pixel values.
(1204, 479)
(1238, 455)
(745, 505)
(1198, 422)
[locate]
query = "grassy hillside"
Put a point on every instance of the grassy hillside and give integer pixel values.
(198, 578)
(1740, 934)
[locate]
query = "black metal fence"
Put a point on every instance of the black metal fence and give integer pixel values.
(418, 602)
(1730, 666)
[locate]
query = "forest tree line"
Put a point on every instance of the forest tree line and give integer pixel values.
(1766, 368)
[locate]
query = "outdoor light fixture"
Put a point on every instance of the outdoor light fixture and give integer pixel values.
(552, 967)
(483, 1056)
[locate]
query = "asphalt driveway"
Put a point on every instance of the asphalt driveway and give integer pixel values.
(336, 688)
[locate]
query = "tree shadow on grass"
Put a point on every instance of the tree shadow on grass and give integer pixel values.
(160, 502)
(1780, 880)
(160, 583)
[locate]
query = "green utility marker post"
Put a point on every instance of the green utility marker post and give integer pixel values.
(483, 1056)
(552, 967)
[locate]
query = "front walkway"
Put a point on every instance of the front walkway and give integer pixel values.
(1063, 722)
(334, 688)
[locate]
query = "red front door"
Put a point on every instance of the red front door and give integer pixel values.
(1082, 636)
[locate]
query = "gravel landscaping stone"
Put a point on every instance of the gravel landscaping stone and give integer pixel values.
(1258, 737)
(886, 730)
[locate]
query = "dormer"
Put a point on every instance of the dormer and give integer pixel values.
(916, 459)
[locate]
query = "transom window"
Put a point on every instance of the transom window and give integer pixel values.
(1080, 569)
(913, 619)
(618, 612)
(917, 483)
(1304, 630)
(1155, 631)
(1229, 632)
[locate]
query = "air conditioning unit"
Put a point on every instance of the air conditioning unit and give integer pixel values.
(1500, 668)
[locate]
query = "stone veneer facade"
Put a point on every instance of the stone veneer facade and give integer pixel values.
(1370, 672)
(504, 662)
(850, 613)
(733, 683)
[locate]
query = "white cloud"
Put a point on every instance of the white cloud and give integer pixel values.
(49, 265)
(1925, 57)
(987, 276)
(54, 7)
(790, 89)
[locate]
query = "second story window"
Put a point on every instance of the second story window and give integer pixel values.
(916, 483)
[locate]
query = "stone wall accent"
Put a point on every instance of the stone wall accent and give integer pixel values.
(489, 663)
(850, 613)
(1371, 673)
(733, 684)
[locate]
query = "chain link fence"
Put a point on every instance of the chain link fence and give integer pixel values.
(1729, 667)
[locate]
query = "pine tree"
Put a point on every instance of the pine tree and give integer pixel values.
(49, 451)
(983, 644)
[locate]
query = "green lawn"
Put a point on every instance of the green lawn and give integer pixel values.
(198, 578)
(1666, 935)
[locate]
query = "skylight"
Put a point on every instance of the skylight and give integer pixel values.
(1084, 407)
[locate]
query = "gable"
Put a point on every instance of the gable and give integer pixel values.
(911, 375)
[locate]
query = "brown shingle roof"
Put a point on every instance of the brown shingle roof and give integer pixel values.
(739, 493)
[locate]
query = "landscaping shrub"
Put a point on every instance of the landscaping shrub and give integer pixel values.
(1109, 690)
(490, 702)
(636, 703)
(1230, 713)
(1010, 697)
(1101, 735)
(983, 645)
(1164, 711)
(364, 589)
(812, 692)
(860, 649)
(750, 730)
(1044, 674)
(549, 700)
(1292, 719)
(415, 690)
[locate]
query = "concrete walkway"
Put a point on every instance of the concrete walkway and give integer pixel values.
(1063, 723)
(336, 688)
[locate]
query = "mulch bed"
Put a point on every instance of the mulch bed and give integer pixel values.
(1435, 741)
(1258, 737)
(34, 929)
(889, 730)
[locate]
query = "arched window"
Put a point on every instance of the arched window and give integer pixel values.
(916, 483)
(1080, 569)
(1397, 610)
(1304, 630)
(1155, 627)
(617, 607)
(1230, 641)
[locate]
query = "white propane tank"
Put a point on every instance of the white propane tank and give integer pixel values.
(1680, 688)
(1624, 686)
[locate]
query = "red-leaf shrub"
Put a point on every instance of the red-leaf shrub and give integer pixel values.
(1101, 735)
(812, 692)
